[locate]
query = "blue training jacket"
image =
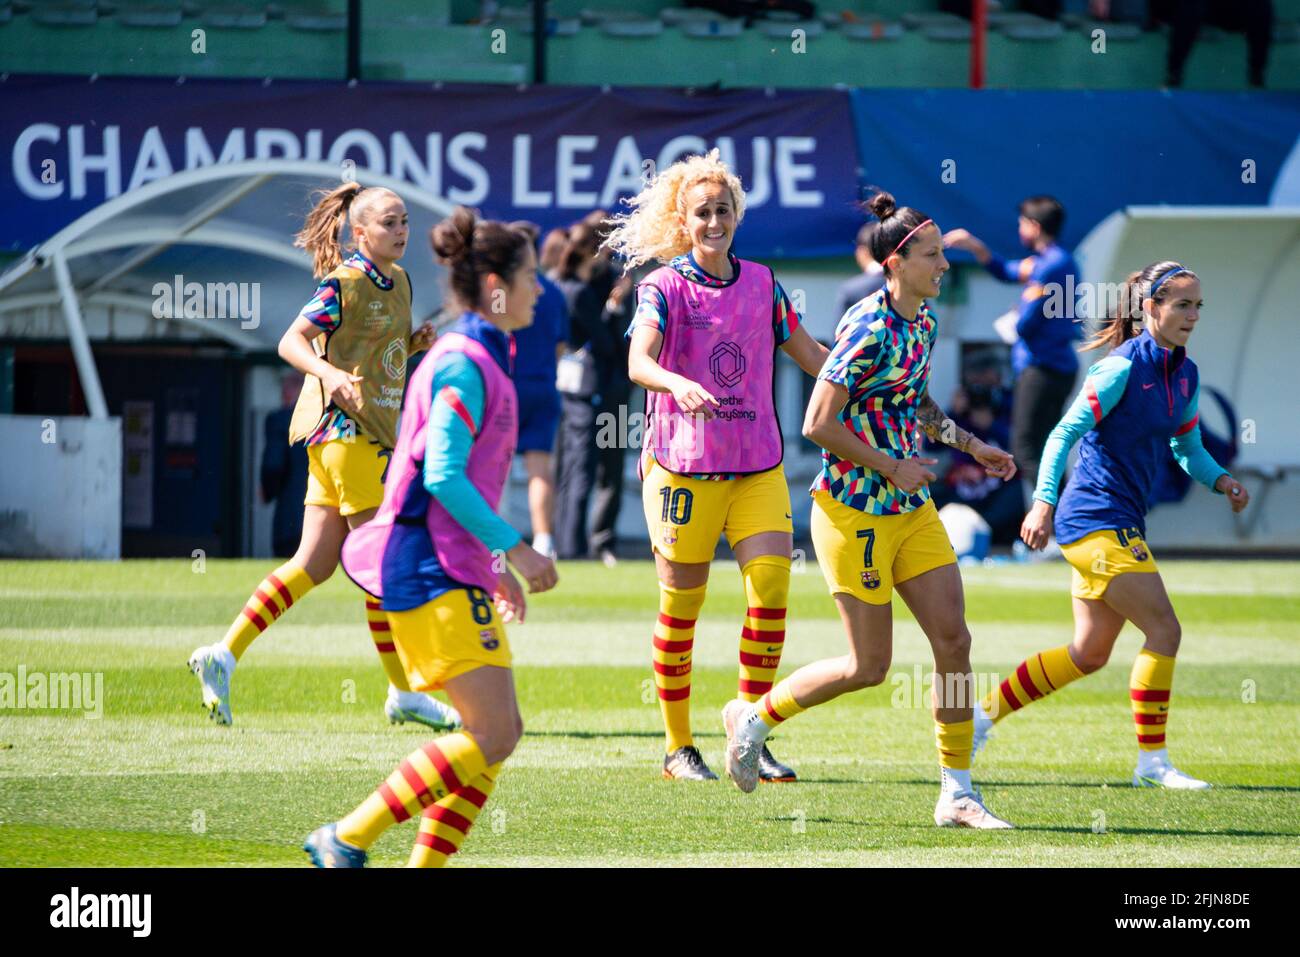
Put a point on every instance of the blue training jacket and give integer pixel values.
(1137, 402)
(1044, 341)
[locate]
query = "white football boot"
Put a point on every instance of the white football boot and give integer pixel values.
(742, 754)
(966, 809)
(983, 725)
(1159, 773)
(214, 665)
(403, 706)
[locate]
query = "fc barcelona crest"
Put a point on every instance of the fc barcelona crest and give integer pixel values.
(669, 535)
(1139, 552)
(488, 639)
(871, 578)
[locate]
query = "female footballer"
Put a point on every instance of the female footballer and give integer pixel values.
(431, 555)
(347, 414)
(873, 523)
(703, 345)
(1136, 403)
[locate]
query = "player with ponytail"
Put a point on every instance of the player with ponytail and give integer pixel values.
(351, 342)
(435, 555)
(873, 523)
(1136, 404)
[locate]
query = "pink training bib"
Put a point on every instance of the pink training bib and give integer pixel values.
(721, 337)
(462, 556)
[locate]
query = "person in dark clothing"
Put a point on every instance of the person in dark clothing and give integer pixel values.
(869, 280)
(284, 472)
(1043, 357)
(1185, 17)
(615, 390)
(586, 279)
(965, 481)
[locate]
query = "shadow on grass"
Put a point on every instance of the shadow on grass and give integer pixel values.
(1118, 785)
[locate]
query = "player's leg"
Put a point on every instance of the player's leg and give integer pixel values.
(861, 582)
(541, 499)
(486, 699)
(1096, 626)
(361, 466)
(323, 530)
(1142, 599)
(455, 641)
(685, 519)
(869, 628)
(760, 531)
(929, 582)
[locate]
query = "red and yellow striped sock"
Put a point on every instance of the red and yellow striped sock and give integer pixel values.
(674, 638)
(955, 741)
(272, 598)
(778, 705)
(1034, 678)
(444, 825)
(767, 587)
(382, 636)
(427, 775)
(1149, 686)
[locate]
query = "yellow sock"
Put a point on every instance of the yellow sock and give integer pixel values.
(444, 825)
(1149, 687)
(427, 775)
(767, 587)
(1035, 677)
(778, 705)
(674, 638)
(382, 636)
(955, 742)
(273, 597)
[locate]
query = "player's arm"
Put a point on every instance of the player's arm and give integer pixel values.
(1101, 392)
(647, 339)
(939, 428)
(321, 316)
(454, 419)
(1193, 458)
(822, 425)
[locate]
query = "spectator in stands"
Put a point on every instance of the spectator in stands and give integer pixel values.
(975, 408)
(1185, 17)
(548, 259)
(537, 348)
(586, 279)
(866, 282)
(284, 471)
(1043, 357)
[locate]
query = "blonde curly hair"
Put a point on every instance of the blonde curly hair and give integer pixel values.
(653, 230)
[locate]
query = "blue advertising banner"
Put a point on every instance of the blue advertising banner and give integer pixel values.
(547, 154)
(967, 157)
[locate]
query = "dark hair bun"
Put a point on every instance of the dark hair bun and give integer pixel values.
(453, 238)
(882, 204)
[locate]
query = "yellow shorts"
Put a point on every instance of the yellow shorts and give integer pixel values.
(347, 474)
(686, 516)
(442, 639)
(866, 555)
(1099, 557)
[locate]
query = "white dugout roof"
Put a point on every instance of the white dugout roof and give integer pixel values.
(101, 277)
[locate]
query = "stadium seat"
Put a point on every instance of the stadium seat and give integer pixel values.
(639, 27)
(721, 28)
(874, 29)
(235, 16)
(66, 14)
(149, 13)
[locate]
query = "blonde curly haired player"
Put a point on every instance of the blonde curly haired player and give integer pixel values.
(351, 341)
(703, 345)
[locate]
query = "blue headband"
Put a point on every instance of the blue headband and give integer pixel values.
(1157, 283)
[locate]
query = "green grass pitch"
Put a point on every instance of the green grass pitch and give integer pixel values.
(153, 782)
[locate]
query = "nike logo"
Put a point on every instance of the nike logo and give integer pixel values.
(683, 657)
(1162, 708)
(772, 650)
(787, 514)
(1148, 385)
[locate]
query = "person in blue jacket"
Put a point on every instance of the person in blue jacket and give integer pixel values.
(1043, 357)
(1137, 403)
